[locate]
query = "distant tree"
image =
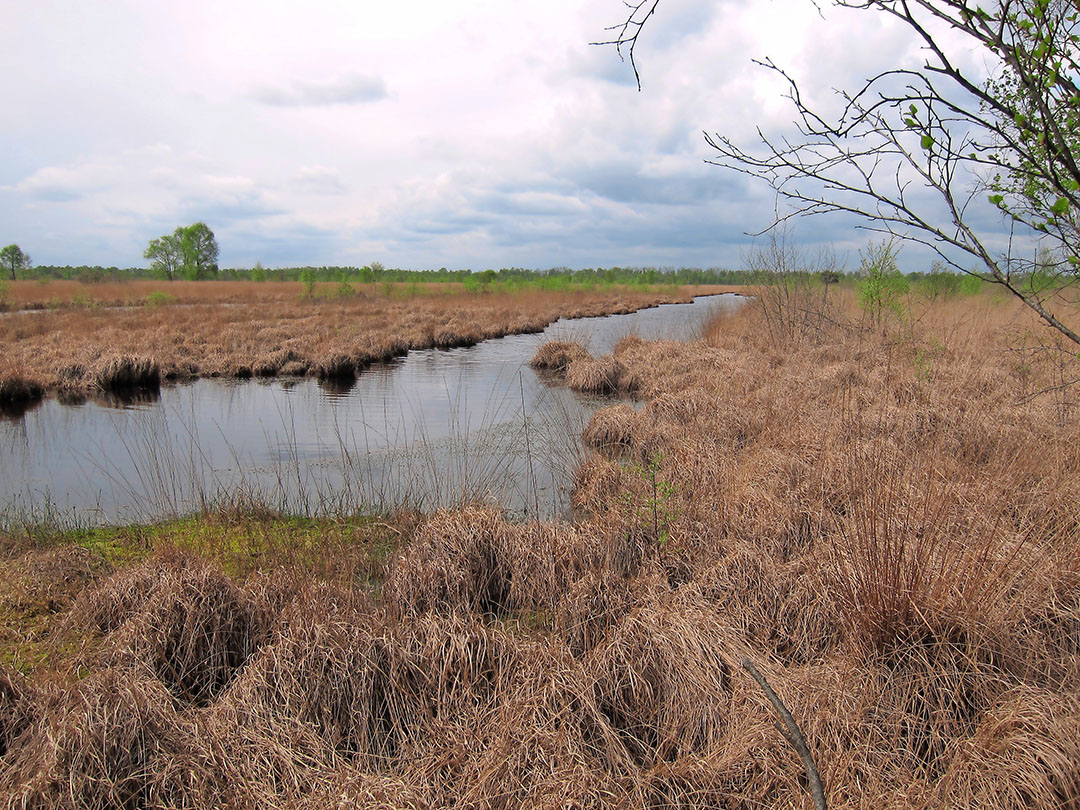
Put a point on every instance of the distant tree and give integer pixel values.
(166, 253)
(191, 251)
(200, 250)
(14, 260)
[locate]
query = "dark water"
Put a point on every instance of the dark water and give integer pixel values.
(435, 428)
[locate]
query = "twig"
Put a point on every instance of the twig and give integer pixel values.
(791, 733)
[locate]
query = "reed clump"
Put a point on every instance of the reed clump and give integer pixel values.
(860, 514)
(589, 375)
(99, 745)
(180, 618)
(16, 708)
(18, 391)
(557, 355)
(121, 372)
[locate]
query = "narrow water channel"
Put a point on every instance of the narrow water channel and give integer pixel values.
(434, 428)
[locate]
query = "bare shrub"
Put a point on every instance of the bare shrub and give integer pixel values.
(794, 298)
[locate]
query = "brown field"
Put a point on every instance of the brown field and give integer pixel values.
(245, 329)
(60, 294)
(883, 520)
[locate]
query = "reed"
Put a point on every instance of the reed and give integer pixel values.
(260, 330)
(860, 513)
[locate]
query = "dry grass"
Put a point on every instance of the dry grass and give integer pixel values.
(885, 524)
(265, 330)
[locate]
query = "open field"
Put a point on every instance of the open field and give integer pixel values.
(880, 513)
(264, 329)
(64, 294)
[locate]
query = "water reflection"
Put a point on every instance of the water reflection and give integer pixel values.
(433, 428)
(16, 410)
(337, 386)
(128, 397)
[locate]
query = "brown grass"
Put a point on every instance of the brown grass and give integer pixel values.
(263, 330)
(886, 524)
(17, 390)
(557, 355)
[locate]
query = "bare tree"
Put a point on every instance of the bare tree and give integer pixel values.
(1010, 140)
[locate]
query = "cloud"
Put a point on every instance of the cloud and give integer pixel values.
(63, 183)
(347, 89)
(533, 148)
(318, 180)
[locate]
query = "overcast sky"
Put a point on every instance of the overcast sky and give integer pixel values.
(467, 134)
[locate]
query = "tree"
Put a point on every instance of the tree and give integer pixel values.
(166, 253)
(13, 260)
(200, 251)
(1010, 140)
(192, 251)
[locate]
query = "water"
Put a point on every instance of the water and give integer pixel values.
(435, 428)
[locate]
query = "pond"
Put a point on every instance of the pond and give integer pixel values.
(434, 428)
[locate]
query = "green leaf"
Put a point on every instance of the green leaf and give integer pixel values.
(913, 110)
(996, 199)
(927, 141)
(911, 122)
(1060, 207)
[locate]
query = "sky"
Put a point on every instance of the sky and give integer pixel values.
(472, 134)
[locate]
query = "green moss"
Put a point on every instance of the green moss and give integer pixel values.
(43, 571)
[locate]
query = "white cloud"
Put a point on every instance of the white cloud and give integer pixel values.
(349, 89)
(507, 138)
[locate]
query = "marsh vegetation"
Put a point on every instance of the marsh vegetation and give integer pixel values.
(879, 512)
(183, 330)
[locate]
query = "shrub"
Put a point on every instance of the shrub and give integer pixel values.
(159, 298)
(881, 284)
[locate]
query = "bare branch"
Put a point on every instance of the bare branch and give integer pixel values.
(627, 32)
(1012, 140)
(792, 734)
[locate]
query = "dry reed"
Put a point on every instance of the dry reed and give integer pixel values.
(265, 330)
(886, 525)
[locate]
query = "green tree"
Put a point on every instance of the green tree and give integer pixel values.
(191, 251)
(200, 251)
(14, 260)
(166, 254)
(1011, 141)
